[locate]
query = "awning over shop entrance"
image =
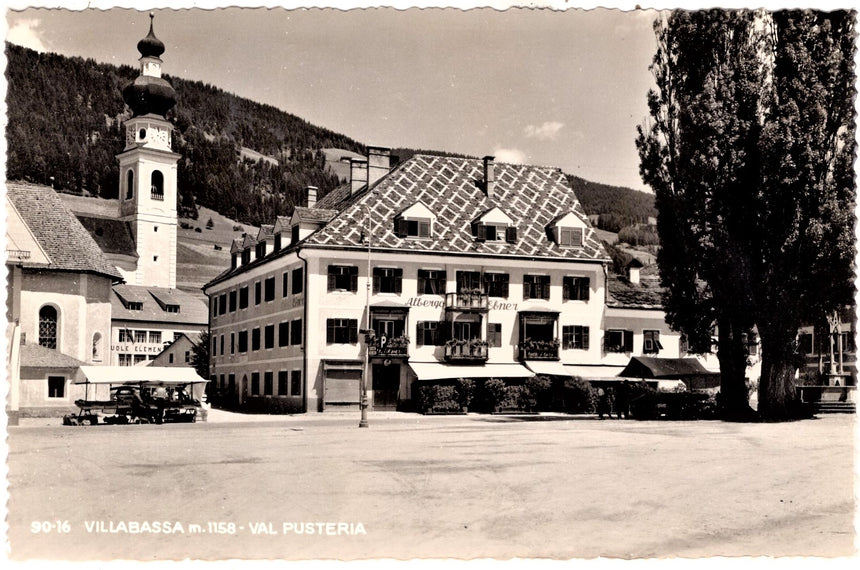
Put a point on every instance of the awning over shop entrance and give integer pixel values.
(136, 374)
(663, 368)
(594, 372)
(548, 367)
(439, 371)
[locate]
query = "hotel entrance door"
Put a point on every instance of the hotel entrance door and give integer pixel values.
(386, 383)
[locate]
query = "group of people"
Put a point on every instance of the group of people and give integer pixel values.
(616, 400)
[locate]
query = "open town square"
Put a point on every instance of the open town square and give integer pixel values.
(411, 486)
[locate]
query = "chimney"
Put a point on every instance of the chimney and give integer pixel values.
(312, 196)
(489, 176)
(378, 163)
(357, 174)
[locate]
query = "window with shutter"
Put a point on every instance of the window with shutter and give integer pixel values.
(511, 234)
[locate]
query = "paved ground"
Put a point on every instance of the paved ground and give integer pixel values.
(418, 487)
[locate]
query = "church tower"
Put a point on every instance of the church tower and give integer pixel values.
(148, 171)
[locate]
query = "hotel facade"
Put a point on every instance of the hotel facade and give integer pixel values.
(439, 268)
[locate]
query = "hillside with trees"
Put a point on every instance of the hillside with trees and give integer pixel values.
(243, 159)
(65, 128)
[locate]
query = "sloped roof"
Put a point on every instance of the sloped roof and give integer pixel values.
(266, 232)
(652, 367)
(64, 239)
(531, 195)
(313, 215)
(647, 294)
(36, 356)
(191, 309)
(335, 198)
(112, 236)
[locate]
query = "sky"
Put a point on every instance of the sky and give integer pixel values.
(553, 88)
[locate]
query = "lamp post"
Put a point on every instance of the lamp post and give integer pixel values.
(363, 383)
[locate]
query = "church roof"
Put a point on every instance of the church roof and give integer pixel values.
(67, 243)
(112, 236)
(36, 356)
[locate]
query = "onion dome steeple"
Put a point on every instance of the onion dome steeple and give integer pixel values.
(150, 46)
(149, 93)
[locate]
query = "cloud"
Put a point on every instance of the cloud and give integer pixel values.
(510, 155)
(24, 33)
(546, 132)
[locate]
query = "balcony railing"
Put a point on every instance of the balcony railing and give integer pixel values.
(466, 351)
(156, 195)
(467, 301)
(539, 349)
(395, 347)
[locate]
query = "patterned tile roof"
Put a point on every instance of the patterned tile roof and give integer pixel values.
(191, 309)
(647, 294)
(532, 196)
(112, 236)
(64, 239)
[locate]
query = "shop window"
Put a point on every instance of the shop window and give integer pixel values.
(48, 318)
(56, 386)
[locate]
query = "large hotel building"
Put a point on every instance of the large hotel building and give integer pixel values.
(462, 268)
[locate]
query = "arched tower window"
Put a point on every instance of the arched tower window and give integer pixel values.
(48, 327)
(157, 182)
(97, 347)
(129, 185)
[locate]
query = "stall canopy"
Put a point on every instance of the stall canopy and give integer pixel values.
(439, 371)
(548, 367)
(664, 368)
(136, 374)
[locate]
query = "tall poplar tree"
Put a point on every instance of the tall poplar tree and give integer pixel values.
(698, 154)
(750, 152)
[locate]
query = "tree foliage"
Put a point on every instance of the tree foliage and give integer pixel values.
(65, 129)
(749, 152)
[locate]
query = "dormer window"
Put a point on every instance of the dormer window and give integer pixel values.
(277, 242)
(568, 230)
(135, 306)
(246, 256)
(570, 236)
(494, 225)
(416, 221)
(171, 308)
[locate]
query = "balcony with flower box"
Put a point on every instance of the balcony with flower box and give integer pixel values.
(467, 300)
(466, 351)
(539, 349)
(381, 347)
